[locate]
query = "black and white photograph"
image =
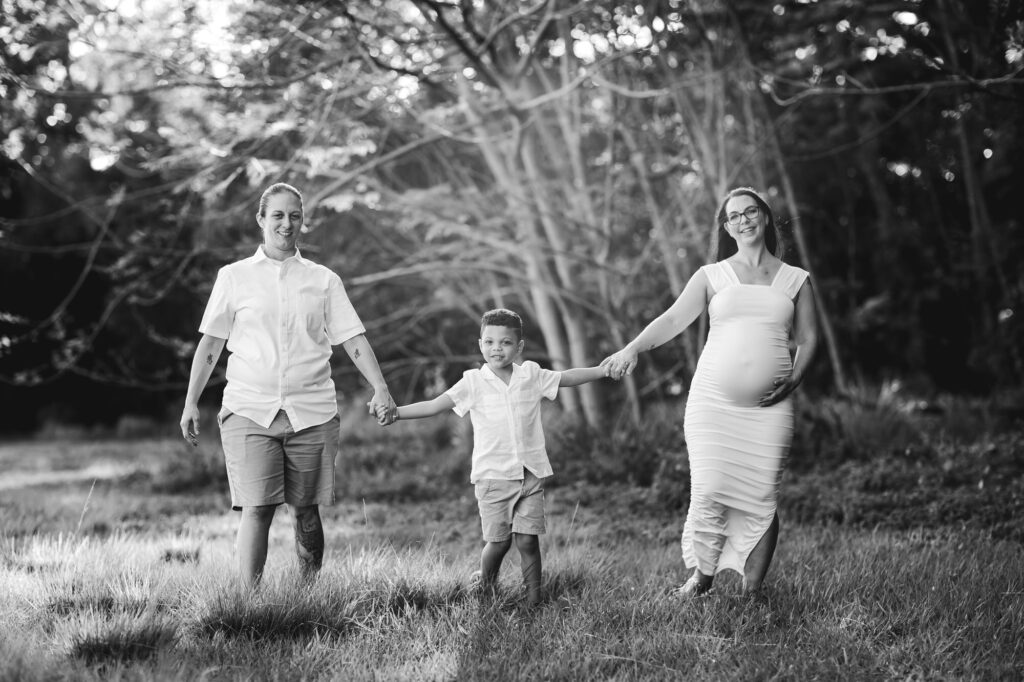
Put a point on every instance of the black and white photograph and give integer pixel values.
(515, 340)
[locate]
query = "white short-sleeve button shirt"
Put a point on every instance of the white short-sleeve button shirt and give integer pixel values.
(280, 319)
(507, 430)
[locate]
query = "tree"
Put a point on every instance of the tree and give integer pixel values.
(561, 158)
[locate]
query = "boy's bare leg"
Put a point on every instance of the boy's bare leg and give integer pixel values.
(309, 541)
(760, 559)
(251, 543)
(529, 553)
(490, 561)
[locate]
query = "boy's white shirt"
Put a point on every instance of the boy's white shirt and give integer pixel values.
(507, 430)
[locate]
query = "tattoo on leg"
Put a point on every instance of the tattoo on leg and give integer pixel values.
(309, 542)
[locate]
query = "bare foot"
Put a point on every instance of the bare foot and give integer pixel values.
(691, 589)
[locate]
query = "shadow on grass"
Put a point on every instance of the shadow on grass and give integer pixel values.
(403, 598)
(123, 643)
(565, 585)
(332, 615)
(275, 621)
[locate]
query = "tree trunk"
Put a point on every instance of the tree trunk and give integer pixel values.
(572, 324)
(540, 284)
(838, 374)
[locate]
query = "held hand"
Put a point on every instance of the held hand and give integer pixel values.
(190, 424)
(380, 413)
(620, 364)
(783, 386)
(383, 407)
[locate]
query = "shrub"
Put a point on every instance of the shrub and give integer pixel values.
(830, 430)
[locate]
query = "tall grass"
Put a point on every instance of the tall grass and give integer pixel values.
(898, 560)
(839, 605)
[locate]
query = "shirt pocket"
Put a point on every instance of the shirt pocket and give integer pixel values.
(310, 313)
(223, 415)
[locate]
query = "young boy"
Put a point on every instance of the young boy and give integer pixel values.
(510, 461)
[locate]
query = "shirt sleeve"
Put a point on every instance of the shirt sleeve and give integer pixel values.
(219, 316)
(548, 381)
(340, 316)
(462, 394)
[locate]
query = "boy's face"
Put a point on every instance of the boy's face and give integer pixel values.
(500, 346)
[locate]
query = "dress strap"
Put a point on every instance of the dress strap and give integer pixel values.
(719, 275)
(789, 279)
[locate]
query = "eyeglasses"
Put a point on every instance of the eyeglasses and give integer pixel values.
(750, 213)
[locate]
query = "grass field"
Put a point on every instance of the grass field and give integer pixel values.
(116, 563)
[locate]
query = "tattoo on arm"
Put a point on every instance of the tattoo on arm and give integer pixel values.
(209, 359)
(355, 354)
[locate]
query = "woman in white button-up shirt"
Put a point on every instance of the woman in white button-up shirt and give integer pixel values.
(279, 314)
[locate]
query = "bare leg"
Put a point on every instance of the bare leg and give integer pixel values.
(760, 559)
(490, 561)
(251, 543)
(309, 541)
(529, 553)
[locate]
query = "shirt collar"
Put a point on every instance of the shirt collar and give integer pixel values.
(517, 369)
(261, 255)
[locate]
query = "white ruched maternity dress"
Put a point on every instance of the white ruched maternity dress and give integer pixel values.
(737, 450)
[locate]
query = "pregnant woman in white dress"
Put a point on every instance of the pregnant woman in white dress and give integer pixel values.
(739, 421)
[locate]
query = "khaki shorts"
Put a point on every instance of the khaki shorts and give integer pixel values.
(276, 465)
(508, 507)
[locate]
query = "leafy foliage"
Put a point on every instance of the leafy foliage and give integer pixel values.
(561, 158)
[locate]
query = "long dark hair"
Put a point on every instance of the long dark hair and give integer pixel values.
(722, 243)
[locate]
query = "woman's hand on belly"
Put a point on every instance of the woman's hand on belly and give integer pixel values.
(782, 387)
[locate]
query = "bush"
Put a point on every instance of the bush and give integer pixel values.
(943, 484)
(634, 454)
(829, 431)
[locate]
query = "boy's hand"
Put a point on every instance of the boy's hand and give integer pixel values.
(620, 364)
(383, 407)
(380, 412)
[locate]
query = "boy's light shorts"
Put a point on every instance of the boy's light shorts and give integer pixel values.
(276, 465)
(508, 507)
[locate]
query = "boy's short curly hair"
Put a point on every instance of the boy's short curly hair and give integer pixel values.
(502, 317)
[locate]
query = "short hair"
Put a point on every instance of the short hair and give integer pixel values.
(278, 188)
(723, 245)
(502, 317)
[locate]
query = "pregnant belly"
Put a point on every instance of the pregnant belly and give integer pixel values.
(745, 365)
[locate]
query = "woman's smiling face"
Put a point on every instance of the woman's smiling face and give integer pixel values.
(281, 222)
(749, 218)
